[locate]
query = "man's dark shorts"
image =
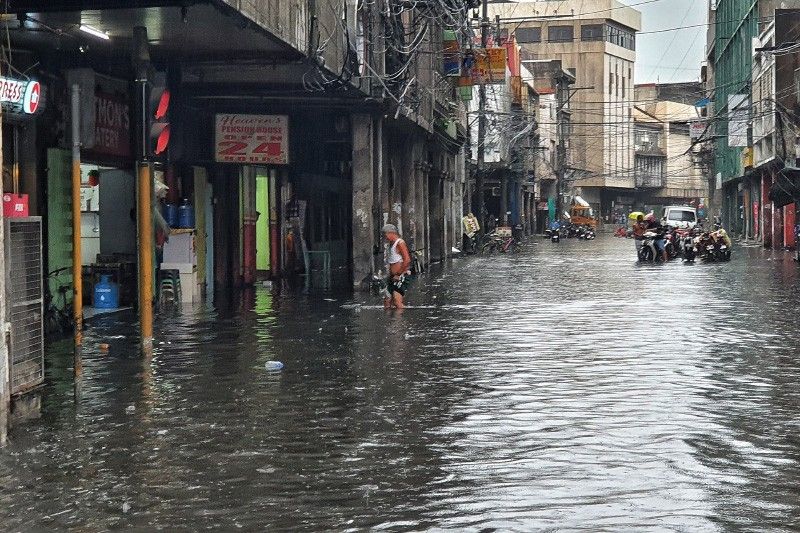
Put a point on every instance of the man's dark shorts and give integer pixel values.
(399, 286)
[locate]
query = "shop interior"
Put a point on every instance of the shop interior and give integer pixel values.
(109, 239)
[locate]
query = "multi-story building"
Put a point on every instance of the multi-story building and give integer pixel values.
(508, 195)
(771, 187)
(747, 88)
(667, 167)
(552, 83)
(596, 41)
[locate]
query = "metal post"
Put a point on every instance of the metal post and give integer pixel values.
(144, 201)
(275, 242)
(145, 230)
(77, 274)
(479, 179)
(561, 151)
(5, 385)
(249, 225)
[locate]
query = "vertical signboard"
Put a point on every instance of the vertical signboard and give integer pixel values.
(251, 139)
(738, 117)
(490, 66)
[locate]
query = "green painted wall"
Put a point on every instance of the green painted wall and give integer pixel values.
(59, 219)
(737, 24)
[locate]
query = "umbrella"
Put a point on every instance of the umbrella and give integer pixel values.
(635, 215)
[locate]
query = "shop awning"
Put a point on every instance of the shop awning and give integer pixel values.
(786, 188)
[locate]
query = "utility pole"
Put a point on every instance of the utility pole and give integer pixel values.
(5, 362)
(479, 179)
(77, 268)
(144, 219)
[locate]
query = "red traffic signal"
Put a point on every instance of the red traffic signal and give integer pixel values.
(158, 112)
(159, 133)
(163, 105)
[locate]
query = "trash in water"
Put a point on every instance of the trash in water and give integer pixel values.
(273, 366)
(104, 347)
(130, 409)
(126, 507)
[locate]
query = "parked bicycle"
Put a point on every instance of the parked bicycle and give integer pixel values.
(58, 320)
(501, 240)
(417, 257)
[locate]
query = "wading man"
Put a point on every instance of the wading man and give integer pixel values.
(398, 261)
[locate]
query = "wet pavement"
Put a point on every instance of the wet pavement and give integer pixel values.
(559, 389)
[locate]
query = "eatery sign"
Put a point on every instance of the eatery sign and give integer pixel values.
(20, 96)
(253, 139)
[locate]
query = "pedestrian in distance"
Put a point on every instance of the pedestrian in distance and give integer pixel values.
(398, 263)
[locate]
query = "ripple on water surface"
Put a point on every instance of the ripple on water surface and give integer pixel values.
(563, 388)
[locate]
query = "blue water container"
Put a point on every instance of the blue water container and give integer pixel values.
(171, 215)
(106, 293)
(186, 215)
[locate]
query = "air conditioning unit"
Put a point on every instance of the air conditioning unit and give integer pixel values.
(24, 301)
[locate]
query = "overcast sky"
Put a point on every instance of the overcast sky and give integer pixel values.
(674, 55)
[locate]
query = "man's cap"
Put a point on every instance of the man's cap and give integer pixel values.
(389, 228)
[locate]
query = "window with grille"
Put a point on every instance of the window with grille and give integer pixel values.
(560, 34)
(592, 32)
(528, 35)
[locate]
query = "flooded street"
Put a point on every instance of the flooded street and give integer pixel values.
(563, 388)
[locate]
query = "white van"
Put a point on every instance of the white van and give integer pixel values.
(680, 216)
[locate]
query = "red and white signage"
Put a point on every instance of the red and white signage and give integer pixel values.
(252, 139)
(15, 205)
(24, 96)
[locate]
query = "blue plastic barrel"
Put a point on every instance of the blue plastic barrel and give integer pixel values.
(186, 215)
(106, 293)
(171, 215)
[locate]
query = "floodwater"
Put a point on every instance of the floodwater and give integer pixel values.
(564, 388)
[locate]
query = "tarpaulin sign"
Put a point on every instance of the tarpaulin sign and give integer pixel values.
(261, 139)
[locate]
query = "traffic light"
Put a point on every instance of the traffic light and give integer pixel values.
(158, 112)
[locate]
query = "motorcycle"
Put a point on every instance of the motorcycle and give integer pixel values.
(687, 244)
(553, 233)
(649, 253)
(671, 243)
(589, 234)
(722, 244)
(706, 247)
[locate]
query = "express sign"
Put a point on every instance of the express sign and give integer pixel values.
(20, 96)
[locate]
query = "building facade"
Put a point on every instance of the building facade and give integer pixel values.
(668, 169)
(750, 79)
(596, 42)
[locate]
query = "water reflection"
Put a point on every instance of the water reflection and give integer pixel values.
(562, 389)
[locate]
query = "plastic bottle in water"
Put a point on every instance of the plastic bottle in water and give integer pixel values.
(273, 366)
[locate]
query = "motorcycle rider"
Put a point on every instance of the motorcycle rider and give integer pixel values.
(661, 242)
(638, 233)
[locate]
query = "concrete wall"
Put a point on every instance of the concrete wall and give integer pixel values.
(286, 19)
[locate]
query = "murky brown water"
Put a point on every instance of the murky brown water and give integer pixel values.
(564, 389)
